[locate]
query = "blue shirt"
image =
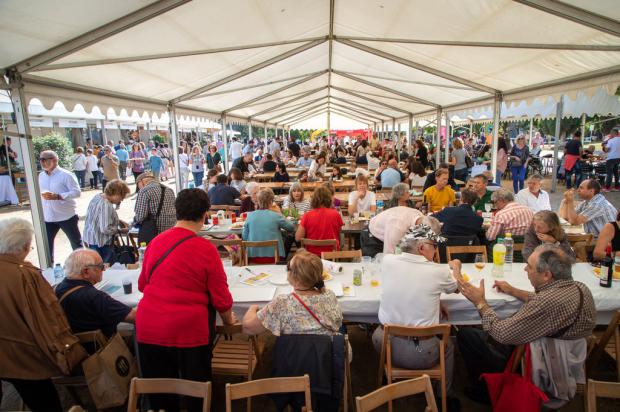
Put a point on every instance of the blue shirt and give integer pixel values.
(301, 162)
(122, 154)
(390, 177)
(222, 194)
(89, 309)
(265, 225)
(156, 163)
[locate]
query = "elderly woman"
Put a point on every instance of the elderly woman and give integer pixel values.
(265, 224)
(290, 313)
(546, 229)
(249, 202)
(295, 199)
(36, 342)
(400, 197)
(519, 156)
(321, 223)
(175, 321)
(102, 222)
(362, 200)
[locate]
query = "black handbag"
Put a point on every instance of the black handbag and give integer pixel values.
(148, 228)
(124, 252)
(370, 245)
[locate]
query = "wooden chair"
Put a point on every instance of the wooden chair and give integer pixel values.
(235, 357)
(478, 249)
(169, 386)
(398, 390)
(598, 389)
(340, 255)
(228, 244)
(579, 242)
(269, 386)
(261, 243)
(603, 343)
(393, 373)
(325, 242)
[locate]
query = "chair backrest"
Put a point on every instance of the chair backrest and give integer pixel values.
(599, 347)
(269, 386)
(472, 240)
(169, 386)
(261, 243)
(340, 255)
(450, 250)
(578, 237)
(598, 389)
(325, 242)
(398, 390)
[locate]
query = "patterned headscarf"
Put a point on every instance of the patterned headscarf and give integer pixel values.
(423, 232)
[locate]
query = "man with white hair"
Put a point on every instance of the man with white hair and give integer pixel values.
(533, 196)
(511, 217)
(88, 308)
(59, 188)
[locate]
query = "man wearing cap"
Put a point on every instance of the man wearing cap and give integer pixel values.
(59, 188)
(150, 195)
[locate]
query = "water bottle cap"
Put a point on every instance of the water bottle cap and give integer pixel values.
(500, 240)
(57, 264)
(509, 235)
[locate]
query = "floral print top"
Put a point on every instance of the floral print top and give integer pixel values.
(284, 315)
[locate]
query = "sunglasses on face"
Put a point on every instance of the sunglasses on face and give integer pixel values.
(100, 266)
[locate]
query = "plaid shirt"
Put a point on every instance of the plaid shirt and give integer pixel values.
(147, 204)
(513, 218)
(551, 308)
(598, 211)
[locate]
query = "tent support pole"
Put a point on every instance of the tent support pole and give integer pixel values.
(174, 139)
(558, 122)
(438, 147)
(225, 143)
(249, 131)
(471, 129)
(497, 107)
(265, 129)
(20, 108)
(410, 130)
(447, 152)
(393, 126)
(531, 131)
(583, 127)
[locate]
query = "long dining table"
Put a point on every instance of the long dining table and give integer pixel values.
(363, 304)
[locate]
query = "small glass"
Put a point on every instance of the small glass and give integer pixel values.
(488, 207)
(479, 263)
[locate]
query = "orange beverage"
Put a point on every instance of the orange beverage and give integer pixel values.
(233, 217)
(374, 282)
(479, 265)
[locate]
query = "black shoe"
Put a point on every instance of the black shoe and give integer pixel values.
(477, 394)
(453, 404)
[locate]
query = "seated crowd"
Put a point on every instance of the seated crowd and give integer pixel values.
(175, 321)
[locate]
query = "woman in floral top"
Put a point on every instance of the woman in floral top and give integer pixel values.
(286, 314)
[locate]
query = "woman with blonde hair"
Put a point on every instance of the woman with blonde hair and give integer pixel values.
(546, 229)
(292, 313)
(296, 200)
(196, 162)
(458, 159)
(362, 200)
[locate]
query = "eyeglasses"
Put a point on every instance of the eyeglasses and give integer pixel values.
(100, 266)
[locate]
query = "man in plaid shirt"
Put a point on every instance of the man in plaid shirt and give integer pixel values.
(511, 216)
(147, 203)
(558, 308)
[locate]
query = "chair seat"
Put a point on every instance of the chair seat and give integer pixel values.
(230, 357)
(610, 348)
(401, 373)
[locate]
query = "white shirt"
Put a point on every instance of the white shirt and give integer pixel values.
(79, 162)
(236, 149)
(65, 184)
(391, 225)
(363, 204)
(526, 198)
(373, 162)
(411, 288)
(274, 146)
(314, 167)
(417, 180)
(183, 160)
(613, 145)
(92, 163)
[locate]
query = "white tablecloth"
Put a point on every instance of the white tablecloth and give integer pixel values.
(364, 306)
(7, 191)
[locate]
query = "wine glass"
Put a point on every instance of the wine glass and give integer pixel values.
(488, 207)
(479, 262)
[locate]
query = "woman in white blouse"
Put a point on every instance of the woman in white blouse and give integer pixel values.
(362, 200)
(318, 165)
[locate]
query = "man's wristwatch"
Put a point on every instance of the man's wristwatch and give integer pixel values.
(481, 306)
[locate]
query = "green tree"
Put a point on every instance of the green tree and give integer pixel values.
(58, 143)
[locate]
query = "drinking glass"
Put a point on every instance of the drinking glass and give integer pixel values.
(488, 207)
(479, 263)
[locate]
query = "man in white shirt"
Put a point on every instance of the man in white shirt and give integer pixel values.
(236, 149)
(612, 148)
(533, 196)
(391, 225)
(59, 188)
(412, 285)
(274, 146)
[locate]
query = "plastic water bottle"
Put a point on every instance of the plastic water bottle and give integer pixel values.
(191, 185)
(141, 251)
(509, 243)
(499, 254)
(59, 273)
(379, 206)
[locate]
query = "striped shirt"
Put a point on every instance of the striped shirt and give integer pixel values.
(147, 204)
(101, 223)
(598, 211)
(302, 206)
(513, 218)
(549, 310)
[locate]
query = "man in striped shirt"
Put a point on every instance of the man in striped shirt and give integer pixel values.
(511, 216)
(593, 213)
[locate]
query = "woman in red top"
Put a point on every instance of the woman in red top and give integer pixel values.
(322, 222)
(184, 284)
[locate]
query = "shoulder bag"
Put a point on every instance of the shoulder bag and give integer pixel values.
(148, 228)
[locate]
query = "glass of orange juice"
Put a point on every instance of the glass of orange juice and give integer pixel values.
(479, 262)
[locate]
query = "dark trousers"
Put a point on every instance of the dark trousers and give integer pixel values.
(481, 355)
(122, 170)
(576, 170)
(70, 227)
(169, 362)
(135, 176)
(80, 174)
(94, 182)
(38, 395)
(611, 167)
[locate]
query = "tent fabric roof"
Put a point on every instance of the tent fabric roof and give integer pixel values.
(275, 60)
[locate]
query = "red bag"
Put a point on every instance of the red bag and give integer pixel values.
(511, 392)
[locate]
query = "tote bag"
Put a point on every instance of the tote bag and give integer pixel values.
(109, 372)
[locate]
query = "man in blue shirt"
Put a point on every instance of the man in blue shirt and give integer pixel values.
(222, 194)
(156, 164)
(389, 176)
(123, 158)
(461, 220)
(304, 161)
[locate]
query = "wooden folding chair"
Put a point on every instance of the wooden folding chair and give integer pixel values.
(216, 208)
(477, 249)
(326, 242)
(603, 343)
(169, 386)
(228, 244)
(393, 373)
(342, 255)
(261, 243)
(398, 390)
(579, 242)
(269, 386)
(598, 389)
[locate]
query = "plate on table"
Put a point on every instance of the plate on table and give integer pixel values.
(597, 272)
(279, 279)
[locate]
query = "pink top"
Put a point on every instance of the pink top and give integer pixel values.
(391, 225)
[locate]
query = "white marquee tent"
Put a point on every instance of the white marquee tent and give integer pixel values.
(277, 63)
